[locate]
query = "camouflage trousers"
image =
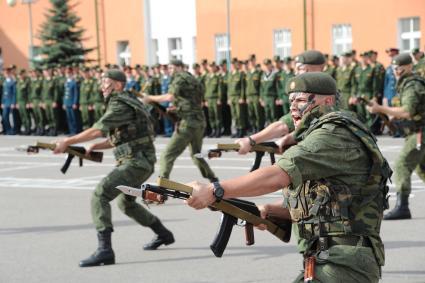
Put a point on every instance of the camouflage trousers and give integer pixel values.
(98, 110)
(238, 113)
(38, 114)
(348, 264)
(214, 113)
(410, 159)
(85, 116)
(270, 109)
(185, 136)
(105, 192)
(50, 115)
(24, 115)
(254, 111)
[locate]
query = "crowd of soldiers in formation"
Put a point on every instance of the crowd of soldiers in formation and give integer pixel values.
(68, 99)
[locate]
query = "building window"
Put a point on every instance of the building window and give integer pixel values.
(124, 53)
(155, 49)
(175, 48)
(342, 39)
(282, 42)
(221, 47)
(410, 34)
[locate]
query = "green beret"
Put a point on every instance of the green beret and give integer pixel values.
(311, 57)
(116, 75)
(415, 51)
(267, 61)
(177, 62)
(287, 60)
(251, 57)
(223, 62)
(313, 82)
(195, 65)
(276, 58)
(204, 61)
(402, 59)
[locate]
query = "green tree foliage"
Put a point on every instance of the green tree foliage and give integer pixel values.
(61, 37)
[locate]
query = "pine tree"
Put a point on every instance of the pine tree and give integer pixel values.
(60, 36)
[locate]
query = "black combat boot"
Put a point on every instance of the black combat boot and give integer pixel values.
(104, 254)
(217, 132)
(212, 133)
(163, 236)
(401, 209)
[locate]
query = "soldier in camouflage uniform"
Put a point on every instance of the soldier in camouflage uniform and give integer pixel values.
(236, 97)
(35, 99)
(252, 90)
(97, 98)
(130, 132)
(269, 88)
(419, 62)
(87, 90)
(50, 101)
(334, 179)
(22, 99)
(286, 73)
(411, 112)
(185, 93)
(363, 86)
(329, 68)
(345, 79)
(213, 100)
(225, 108)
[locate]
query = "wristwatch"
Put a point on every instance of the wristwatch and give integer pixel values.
(218, 191)
(251, 141)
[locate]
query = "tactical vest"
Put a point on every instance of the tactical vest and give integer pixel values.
(137, 133)
(323, 209)
(417, 122)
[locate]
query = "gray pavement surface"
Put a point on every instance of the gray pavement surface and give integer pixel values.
(45, 227)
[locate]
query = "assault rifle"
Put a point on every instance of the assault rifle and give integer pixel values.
(260, 150)
(385, 119)
(72, 151)
(232, 209)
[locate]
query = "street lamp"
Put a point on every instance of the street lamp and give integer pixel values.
(12, 3)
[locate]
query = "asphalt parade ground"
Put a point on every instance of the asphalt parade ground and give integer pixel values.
(46, 228)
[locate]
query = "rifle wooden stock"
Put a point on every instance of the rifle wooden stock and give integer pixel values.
(258, 147)
(229, 207)
(78, 151)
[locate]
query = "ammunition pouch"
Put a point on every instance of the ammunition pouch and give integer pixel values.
(127, 150)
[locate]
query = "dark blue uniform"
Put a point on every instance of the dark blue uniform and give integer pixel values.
(71, 98)
(9, 100)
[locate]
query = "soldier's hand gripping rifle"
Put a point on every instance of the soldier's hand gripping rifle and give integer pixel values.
(260, 150)
(72, 151)
(161, 109)
(232, 209)
(385, 119)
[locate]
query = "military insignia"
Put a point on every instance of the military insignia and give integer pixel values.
(292, 85)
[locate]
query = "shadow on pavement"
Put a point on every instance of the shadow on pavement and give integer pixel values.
(65, 228)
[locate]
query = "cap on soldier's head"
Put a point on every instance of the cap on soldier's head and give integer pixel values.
(402, 59)
(365, 54)
(311, 57)
(137, 67)
(85, 69)
(313, 82)
(347, 54)
(415, 51)
(22, 71)
(212, 64)
(195, 65)
(267, 61)
(223, 62)
(176, 62)
(115, 74)
(276, 58)
(252, 57)
(335, 57)
(392, 49)
(235, 60)
(204, 61)
(287, 60)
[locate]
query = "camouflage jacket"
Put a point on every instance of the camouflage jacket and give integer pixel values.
(338, 179)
